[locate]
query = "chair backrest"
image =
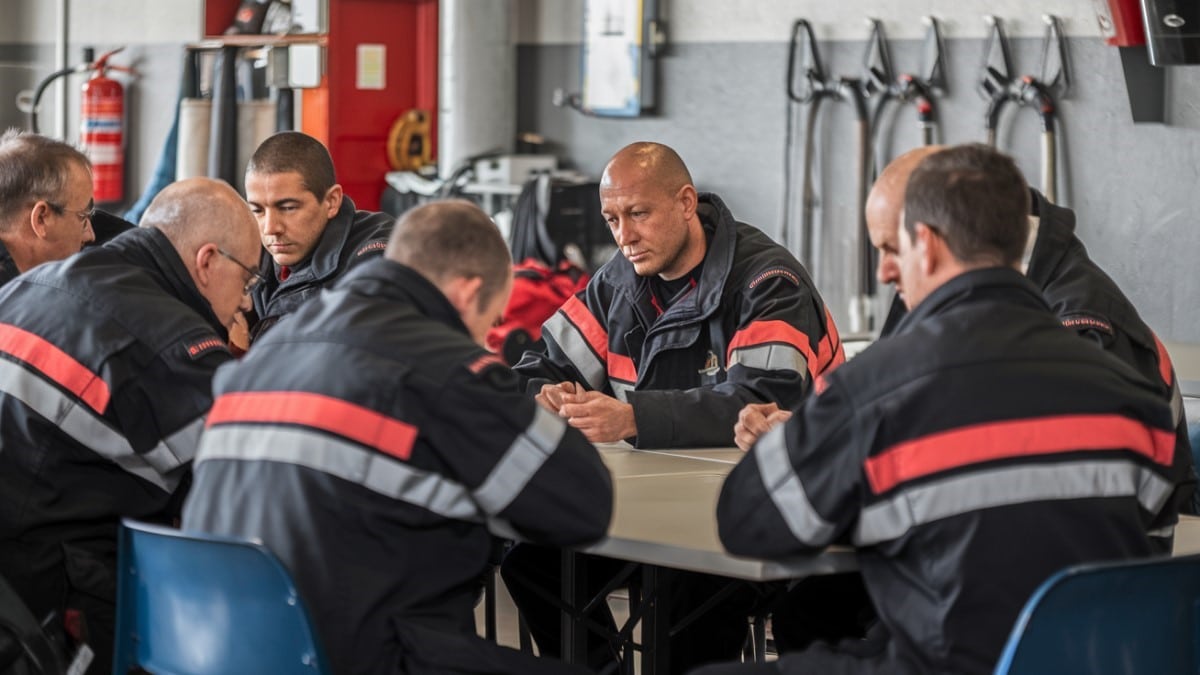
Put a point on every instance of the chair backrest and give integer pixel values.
(1109, 618)
(194, 604)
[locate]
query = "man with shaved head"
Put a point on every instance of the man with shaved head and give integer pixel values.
(697, 317)
(106, 362)
(311, 230)
(377, 425)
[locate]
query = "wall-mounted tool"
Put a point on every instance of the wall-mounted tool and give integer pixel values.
(1041, 93)
(807, 85)
(908, 88)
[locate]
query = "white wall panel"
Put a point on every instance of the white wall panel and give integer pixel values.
(706, 21)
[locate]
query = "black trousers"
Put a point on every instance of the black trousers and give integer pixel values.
(869, 656)
(425, 651)
(826, 608)
(717, 635)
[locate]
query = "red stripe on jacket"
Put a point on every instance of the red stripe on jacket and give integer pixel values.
(317, 411)
(620, 367)
(56, 365)
(780, 332)
(1011, 439)
(1164, 362)
(581, 317)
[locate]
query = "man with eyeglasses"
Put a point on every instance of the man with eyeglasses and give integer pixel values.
(310, 229)
(45, 201)
(106, 362)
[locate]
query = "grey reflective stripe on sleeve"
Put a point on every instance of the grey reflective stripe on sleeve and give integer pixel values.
(928, 502)
(79, 422)
(770, 357)
(177, 449)
(1177, 410)
(576, 347)
(782, 483)
(350, 462)
(620, 390)
(523, 458)
(1164, 532)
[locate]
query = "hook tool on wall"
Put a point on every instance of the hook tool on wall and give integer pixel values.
(1000, 88)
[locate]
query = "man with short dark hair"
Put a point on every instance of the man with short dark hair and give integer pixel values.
(309, 228)
(698, 316)
(106, 362)
(370, 443)
(969, 456)
(45, 201)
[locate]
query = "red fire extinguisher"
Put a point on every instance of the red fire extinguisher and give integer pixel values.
(102, 130)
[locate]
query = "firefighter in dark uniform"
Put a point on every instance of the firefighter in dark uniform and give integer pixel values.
(1084, 298)
(311, 231)
(107, 360)
(45, 201)
(371, 442)
(699, 316)
(967, 457)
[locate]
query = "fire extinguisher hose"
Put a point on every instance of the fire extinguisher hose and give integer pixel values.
(41, 89)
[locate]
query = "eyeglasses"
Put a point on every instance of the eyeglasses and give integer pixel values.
(83, 216)
(255, 277)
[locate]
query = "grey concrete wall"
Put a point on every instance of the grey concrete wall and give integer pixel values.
(723, 107)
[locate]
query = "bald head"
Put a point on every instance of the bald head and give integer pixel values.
(195, 211)
(648, 163)
(886, 201)
(216, 236)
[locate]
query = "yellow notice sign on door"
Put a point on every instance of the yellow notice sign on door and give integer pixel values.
(370, 70)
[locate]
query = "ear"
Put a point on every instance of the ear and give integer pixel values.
(205, 259)
(37, 219)
(463, 293)
(333, 200)
(688, 200)
(930, 247)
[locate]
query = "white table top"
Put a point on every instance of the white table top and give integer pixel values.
(664, 513)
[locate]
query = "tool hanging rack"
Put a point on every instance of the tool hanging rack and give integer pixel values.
(808, 85)
(999, 88)
(917, 89)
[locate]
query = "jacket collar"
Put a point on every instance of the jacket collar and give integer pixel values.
(322, 263)
(1056, 233)
(973, 284)
(8, 267)
(389, 280)
(149, 248)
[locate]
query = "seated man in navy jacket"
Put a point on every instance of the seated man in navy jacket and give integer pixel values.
(106, 366)
(969, 456)
(311, 231)
(371, 441)
(699, 315)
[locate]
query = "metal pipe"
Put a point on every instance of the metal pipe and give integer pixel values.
(60, 62)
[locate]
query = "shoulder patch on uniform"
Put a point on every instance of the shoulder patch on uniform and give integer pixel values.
(775, 272)
(370, 247)
(484, 362)
(198, 348)
(1086, 322)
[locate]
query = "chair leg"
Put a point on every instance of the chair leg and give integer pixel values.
(489, 606)
(523, 638)
(758, 628)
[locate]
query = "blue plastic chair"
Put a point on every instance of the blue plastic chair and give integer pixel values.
(1104, 619)
(194, 604)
